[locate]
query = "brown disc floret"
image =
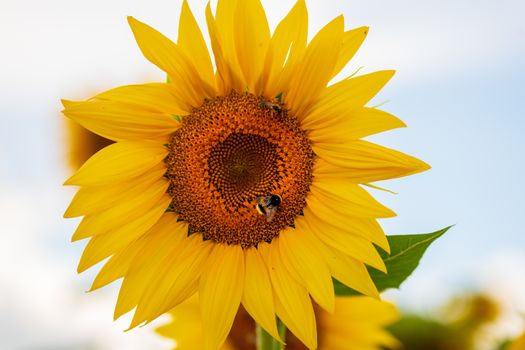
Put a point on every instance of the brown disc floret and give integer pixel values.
(228, 153)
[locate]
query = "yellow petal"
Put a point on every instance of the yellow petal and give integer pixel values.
(344, 268)
(174, 281)
(365, 162)
(191, 41)
(351, 273)
(220, 291)
(379, 188)
(185, 327)
(166, 55)
(93, 199)
(258, 296)
(518, 343)
(225, 17)
(151, 259)
(339, 238)
(345, 197)
(252, 36)
(131, 206)
(119, 121)
(315, 68)
(365, 227)
(225, 20)
(352, 40)
(264, 249)
(342, 125)
(346, 95)
(102, 246)
(225, 77)
(369, 310)
(287, 43)
(292, 302)
(301, 257)
(119, 162)
(156, 97)
(364, 320)
(119, 264)
(169, 231)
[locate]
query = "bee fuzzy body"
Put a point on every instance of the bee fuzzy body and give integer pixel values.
(268, 205)
(265, 104)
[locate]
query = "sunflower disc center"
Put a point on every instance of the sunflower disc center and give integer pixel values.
(243, 166)
(230, 152)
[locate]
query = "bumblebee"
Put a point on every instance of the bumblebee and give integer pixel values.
(265, 104)
(268, 205)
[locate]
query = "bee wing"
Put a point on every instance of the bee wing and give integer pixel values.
(270, 213)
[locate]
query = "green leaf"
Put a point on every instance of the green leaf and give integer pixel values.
(504, 345)
(342, 290)
(405, 253)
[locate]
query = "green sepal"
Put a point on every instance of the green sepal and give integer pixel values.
(405, 253)
(265, 341)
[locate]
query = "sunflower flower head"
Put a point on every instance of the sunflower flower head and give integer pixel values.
(239, 180)
(227, 154)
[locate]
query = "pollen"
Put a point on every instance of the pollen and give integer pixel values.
(228, 153)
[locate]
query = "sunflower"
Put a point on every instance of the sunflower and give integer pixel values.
(518, 343)
(241, 182)
(358, 323)
(81, 144)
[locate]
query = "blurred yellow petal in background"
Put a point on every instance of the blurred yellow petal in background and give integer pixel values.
(359, 323)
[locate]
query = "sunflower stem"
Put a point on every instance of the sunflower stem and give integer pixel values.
(266, 342)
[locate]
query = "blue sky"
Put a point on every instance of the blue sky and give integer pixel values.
(459, 87)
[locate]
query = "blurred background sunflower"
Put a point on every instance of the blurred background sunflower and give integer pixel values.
(359, 323)
(457, 87)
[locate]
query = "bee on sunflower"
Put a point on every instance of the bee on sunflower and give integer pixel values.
(239, 180)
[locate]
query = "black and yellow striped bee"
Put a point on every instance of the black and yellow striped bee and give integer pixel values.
(268, 205)
(265, 104)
